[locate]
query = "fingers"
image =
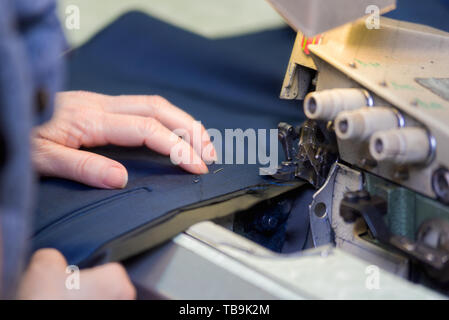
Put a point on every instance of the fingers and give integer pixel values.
(51, 159)
(128, 130)
(47, 276)
(166, 113)
(87, 119)
(44, 277)
(48, 258)
(109, 281)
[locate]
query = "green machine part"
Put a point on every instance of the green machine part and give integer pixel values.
(407, 210)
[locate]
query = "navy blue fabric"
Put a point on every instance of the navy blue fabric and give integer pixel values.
(434, 13)
(228, 83)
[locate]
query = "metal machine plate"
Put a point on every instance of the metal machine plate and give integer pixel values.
(209, 261)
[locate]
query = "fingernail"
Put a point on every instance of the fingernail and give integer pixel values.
(204, 169)
(116, 178)
(209, 160)
(209, 156)
(215, 158)
(214, 155)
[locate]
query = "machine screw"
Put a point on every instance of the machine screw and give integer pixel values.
(440, 184)
(269, 223)
(320, 210)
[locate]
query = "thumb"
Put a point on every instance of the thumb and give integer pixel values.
(109, 281)
(51, 159)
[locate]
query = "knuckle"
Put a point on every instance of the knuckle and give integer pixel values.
(82, 167)
(150, 127)
(157, 100)
(157, 103)
(80, 128)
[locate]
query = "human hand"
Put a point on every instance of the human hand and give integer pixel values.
(85, 119)
(45, 279)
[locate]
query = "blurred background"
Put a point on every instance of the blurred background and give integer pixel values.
(217, 18)
(209, 18)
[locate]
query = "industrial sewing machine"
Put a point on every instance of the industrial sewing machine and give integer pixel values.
(376, 95)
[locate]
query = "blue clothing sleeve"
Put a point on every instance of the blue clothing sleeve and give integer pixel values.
(31, 44)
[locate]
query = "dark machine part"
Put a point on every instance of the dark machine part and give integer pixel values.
(430, 249)
(310, 151)
(280, 224)
(440, 184)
